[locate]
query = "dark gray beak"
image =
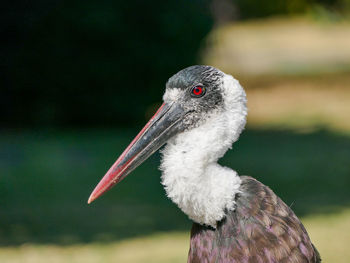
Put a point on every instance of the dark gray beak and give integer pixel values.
(165, 123)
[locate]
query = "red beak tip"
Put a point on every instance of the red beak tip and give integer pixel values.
(91, 199)
(118, 171)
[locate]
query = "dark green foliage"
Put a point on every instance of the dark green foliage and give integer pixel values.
(98, 62)
(85, 63)
(257, 9)
(104, 62)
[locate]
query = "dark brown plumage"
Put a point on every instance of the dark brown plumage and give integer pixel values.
(261, 229)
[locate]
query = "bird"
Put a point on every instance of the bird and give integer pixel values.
(235, 218)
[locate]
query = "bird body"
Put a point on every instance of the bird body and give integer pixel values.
(262, 228)
(237, 219)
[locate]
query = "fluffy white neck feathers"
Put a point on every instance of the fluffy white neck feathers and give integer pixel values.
(190, 173)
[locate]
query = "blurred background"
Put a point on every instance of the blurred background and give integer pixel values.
(80, 78)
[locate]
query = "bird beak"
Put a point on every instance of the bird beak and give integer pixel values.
(165, 123)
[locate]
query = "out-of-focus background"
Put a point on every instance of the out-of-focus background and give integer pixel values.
(80, 78)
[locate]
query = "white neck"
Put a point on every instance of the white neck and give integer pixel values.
(192, 178)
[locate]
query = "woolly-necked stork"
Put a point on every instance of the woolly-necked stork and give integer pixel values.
(236, 218)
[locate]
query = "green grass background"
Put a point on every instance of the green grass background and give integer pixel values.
(47, 177)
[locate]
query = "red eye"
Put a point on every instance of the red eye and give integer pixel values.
(197, 91)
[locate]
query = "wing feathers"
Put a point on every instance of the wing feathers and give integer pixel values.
(262, 228)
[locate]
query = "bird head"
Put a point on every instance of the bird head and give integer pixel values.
(193, 97)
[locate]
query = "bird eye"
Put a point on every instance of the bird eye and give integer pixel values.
(197, 91)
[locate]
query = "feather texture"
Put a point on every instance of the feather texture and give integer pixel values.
(191, 175)
(237, 219)
(261, 229)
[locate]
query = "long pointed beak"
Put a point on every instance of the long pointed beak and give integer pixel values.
(165, 123)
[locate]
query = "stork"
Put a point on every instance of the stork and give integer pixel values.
(236, 218)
